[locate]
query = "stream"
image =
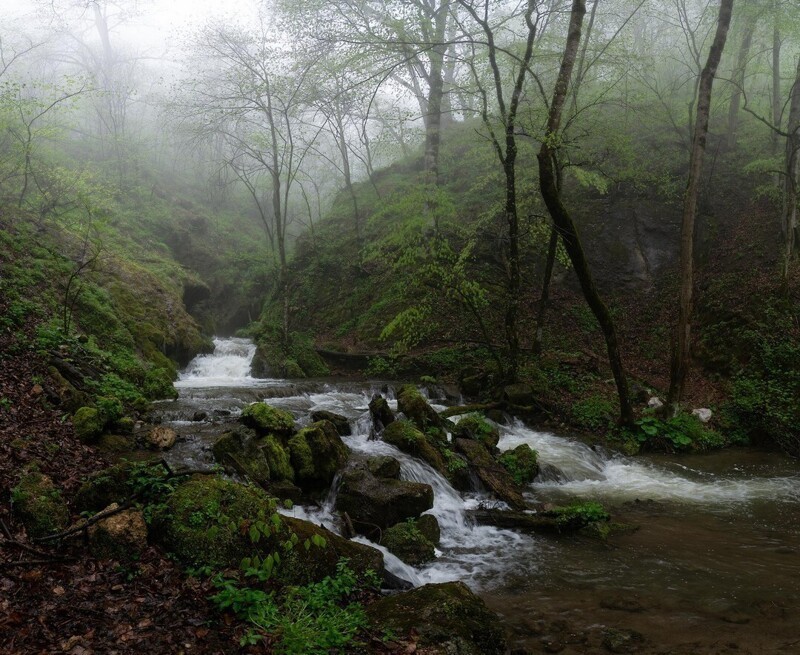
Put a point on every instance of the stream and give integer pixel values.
(714, 566)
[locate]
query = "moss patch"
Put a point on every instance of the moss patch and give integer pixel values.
(39, 505)
(522, 463)
(266, 419)
(407, 542)
(88, 423)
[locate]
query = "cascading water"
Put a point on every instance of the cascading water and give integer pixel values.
(701, 522)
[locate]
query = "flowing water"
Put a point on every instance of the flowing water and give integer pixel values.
(714, 565)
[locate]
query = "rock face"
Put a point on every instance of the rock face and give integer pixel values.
(207, 522)
(380, 502)
(120, 536)
(161, 438)
(405, 436)
(448, 618)
(496, 478)
(519, 394)
(317, 454)
(340, 422)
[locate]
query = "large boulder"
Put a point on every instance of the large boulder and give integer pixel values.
(377, 503)
(340, 422)
(317, 454)
(266, 419)
(446, 618)
(408, 542)
(213, 522)
(120, 536)
(39, 505)
(239, 451)
(417, 410)
(491, 473)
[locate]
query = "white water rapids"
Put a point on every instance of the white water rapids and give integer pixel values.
(480, 555)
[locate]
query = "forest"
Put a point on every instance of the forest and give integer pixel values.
(399, 326)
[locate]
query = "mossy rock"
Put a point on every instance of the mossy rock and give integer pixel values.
(428, 525)
(382, 414)
(317, 454)
(380, 502)
(280, 468)
(265, 419)
(409, 544)
(340, 422)
(116, 444)
(417, 410)
(405, 436)
(474, 426)
(493, 475)
(69, 397)
(522, 463)
(122, 536)
(207, 522)
(38, 503)
(88, 424)
(238, 451)
(384, 466)
(103, 488)
(447, 618)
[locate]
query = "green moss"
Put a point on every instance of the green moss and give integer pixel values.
(522, 463)
(317, 453)
(239, 451)
(158, 384)
(413, 404)
(266, 419)
(39, 505)
(301, 456)
(88, 423)
(408, 543)
(103, 488)
(277, 459)
(579, 515)
(475, 426)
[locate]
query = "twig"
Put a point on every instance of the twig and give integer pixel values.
(80, 527)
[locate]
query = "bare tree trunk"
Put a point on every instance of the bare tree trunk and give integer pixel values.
(682, 339)
(776, 81)
(792, 180)
(548, 275)
(562, 220)
(738, 83)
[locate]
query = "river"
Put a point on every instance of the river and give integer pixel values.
(713, 565)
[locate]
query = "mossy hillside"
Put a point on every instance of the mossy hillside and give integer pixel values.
(39, 504)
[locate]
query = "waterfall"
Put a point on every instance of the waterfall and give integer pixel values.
(228, 365)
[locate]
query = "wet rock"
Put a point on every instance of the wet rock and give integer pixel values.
(338, 421)
(409, 544)
(405, 436)
(265, 419)
(120, 536)
(380, 502)
(522, 521)
(476, 427)
(622, 604)
(622, 641)
(260, 366)
(417, 410)
(703, 414)
(492, 474)
(428, 525)
(317, 454)
(39, 505)
(446, 618)
(381, 413)
(161, 438)
(384, 466)
(199, 416)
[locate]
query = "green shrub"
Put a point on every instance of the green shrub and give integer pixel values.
(158, 384)
(581, 514)
(682, 432)
(594, 413)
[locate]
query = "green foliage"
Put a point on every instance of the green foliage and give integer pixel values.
(581, 514)
(594, 413)
(158, 384)
(682, 432)
(455, 464)
(383, 366)
(307, 620)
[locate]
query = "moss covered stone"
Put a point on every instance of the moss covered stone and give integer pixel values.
(39, 505)
(447, 618)
(238, 451)
(429, 526)
(280, 468)
(384, 466)
(266, 419)
(522, 463)
(413, 404)
(340, 422)
(207, 522)
(495, 476)
(122, 536)
(405, 436)
(317, 454)
(474, 426)
(88, 423)
(104, 488)
(407, 542)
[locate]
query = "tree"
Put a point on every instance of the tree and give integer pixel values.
(551, 192)
(682, 339)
